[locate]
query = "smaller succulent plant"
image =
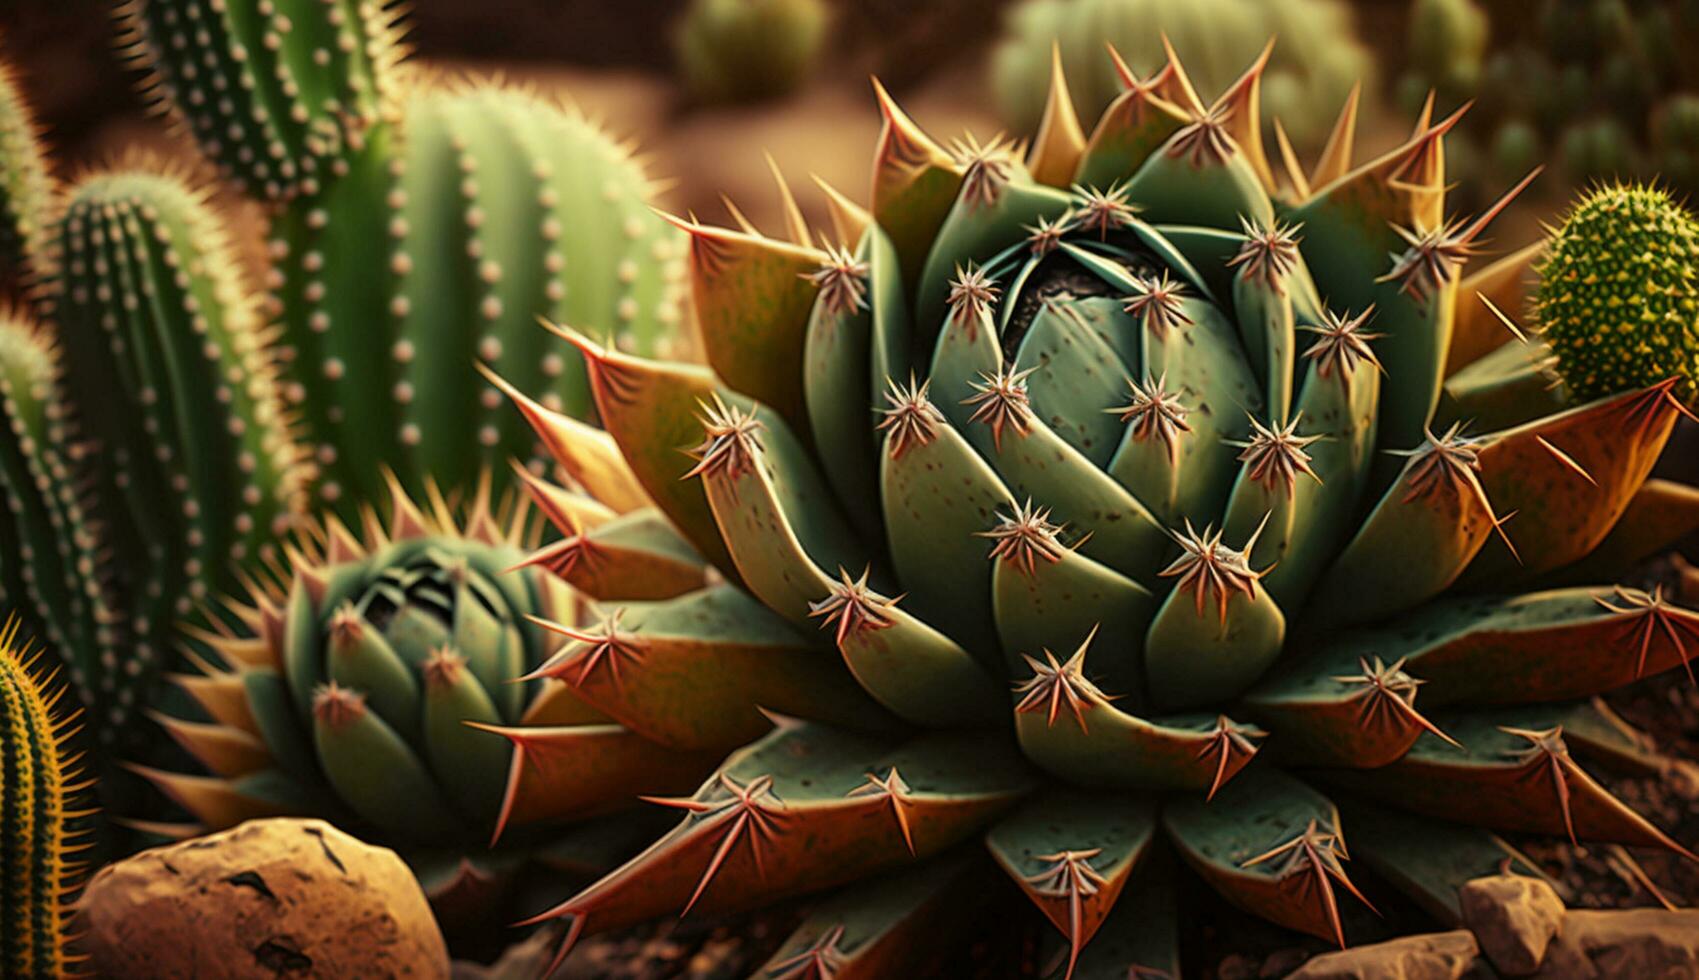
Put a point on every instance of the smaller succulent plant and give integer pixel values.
(1618, 296)
(37, 875)
(748, 50)
(397, 683)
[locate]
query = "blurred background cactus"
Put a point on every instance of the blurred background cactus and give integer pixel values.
(36, 817)
(1599, 87)
(1317, 57)
(748, 50)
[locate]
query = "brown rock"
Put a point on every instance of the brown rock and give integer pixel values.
(1435, 956)
(266, 900)
(1647, 944)
(1514, 917)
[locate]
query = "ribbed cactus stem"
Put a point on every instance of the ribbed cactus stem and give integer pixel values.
(36, 878)
(172, 373)
(26, 189)
(51, 559)
(276, 93)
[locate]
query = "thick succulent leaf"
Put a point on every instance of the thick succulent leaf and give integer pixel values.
(938, 497)
(219, 804)
(1659, 514)
(976, 231)
(650, 408)
(752, 297)
(1524, 782)
(1196, 656)
(1429, 860)
(844, 366)
(889, 926)
(1568, 478)
(408, 803)
(1336, 707)
(1507, 387)
(1072, 853)
(779, 520)
(1076, 378)
(695, 672)
(1536, 647)
(920, 674)
(1170, 188)
(637, 555)
(1342, 412)
(1091, 742)
(914, 185)
(1139, 121)
(804, 809)
(1141, 938)
(1057, 604)
(1040, 465)
(1268, 329)
(468, 763)
(566, 772)
(1253, 816)
(1503, 283)
(1413, 545)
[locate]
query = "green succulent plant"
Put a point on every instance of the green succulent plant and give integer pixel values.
(1137, 501)
(35, 822)
(1317, 61)
(410, 651)
(748, 50)
(419, 224)
(1618, 296)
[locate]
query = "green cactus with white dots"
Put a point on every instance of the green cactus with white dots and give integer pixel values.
(443, 217)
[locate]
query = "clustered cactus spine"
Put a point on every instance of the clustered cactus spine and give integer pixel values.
(419, 225)
(1618, 294)
(41, 781)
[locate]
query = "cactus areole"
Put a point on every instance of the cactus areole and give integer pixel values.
(1088, 507)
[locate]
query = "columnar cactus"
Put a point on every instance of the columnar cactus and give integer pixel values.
(34, 836)
(26, 189)
(419, 225)
(1127, 491)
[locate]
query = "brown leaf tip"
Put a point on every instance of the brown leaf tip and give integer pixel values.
(1441, 460)
(1159, 304)
(851, 606)
(1000, 401)
(1230, 743)
(1205, 565)
(820, 961)
(894, 788)
(1155, 412)
(972, 294)
(1316, 852)
(986, 169)
(1341, 344)
(910, 418)
(442, 667)
(605, 644)
(1269, 252)
(336, 706)
(1388, 695)
(1653, 615)
(729, 447)
(1103, 211)
(1276, 454)
(1026, 536)
(751, 812)
(1054, 684)
(347, 626)
(842, 279)
(1205, 138)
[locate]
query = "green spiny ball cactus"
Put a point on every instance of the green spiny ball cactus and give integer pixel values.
(1618, 297)
(1317, 61)
(748, 50)
(26, 189)
(1140, 507)
(38, 874)
(392, 684)
(422, 224)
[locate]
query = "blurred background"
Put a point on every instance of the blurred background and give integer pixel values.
(1592, 88)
